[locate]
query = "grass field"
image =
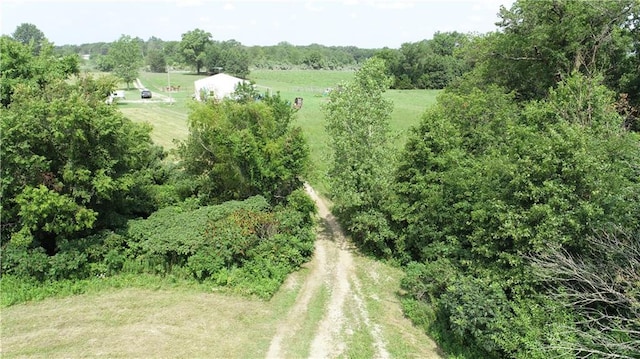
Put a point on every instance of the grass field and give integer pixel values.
(170, 120)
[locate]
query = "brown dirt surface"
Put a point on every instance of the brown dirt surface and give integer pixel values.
(334, 267)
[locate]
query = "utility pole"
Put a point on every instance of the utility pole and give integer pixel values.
(169, 84)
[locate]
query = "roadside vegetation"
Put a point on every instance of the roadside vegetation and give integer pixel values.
(499, 172)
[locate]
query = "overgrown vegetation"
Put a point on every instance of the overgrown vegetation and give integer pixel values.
(500, 190)
(241, 148)
(86, 194)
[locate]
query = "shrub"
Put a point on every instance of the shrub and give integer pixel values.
(244, 245)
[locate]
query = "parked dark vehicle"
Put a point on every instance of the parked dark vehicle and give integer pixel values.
(145, 94)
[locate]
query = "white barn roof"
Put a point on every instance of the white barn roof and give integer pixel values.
(220, 86)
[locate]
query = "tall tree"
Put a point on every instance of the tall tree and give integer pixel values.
(544, 41)
(156, 60)
(126, 57)
(29, 34)
(193, 47)
(357, 121)
(70, 162)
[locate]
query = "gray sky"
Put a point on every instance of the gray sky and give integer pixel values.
(361, 23)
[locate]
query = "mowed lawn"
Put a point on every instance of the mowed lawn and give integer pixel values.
(170, 120)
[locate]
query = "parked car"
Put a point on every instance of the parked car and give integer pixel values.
(145, 94)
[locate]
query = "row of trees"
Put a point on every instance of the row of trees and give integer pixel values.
(198, 50)
(428, 64)
(86, 193)
(515, 204)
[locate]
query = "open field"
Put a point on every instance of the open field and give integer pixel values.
(170, 120)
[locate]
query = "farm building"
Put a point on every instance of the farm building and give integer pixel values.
(220, 86)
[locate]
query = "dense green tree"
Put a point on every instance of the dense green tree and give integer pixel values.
(429, 64)
(83, 161)
(29, 34)
(394, 59)
(126, 57)
(193, 45)
(18, 67)
(542, 42)
(357, 121)
(237, 149)
(228, 56)
(483, 184)
(532, 167)
(70, 162)
(156, 60)
(314, 60)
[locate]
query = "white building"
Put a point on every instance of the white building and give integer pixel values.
(219, 86)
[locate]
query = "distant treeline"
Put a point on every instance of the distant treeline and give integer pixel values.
(425, 64)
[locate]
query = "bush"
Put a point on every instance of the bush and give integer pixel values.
(244, 245)
(23, 262)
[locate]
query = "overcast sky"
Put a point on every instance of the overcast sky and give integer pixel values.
(361, 23)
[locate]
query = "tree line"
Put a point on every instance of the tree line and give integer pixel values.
(197, 50)
(514, 206)
(427, 64)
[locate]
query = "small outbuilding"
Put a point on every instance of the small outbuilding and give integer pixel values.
(218, 86)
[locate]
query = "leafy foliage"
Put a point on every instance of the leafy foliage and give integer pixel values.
(29, 34)
(526, 157)
(357, 121)
(193, 46)
(238, 244)
(544, 41)
(237, 149)
(156, 61)
(246, 246)
(20, 68)
(427, 64)
(229, 56)
(483, 183)
(70, 163)
(126, 58)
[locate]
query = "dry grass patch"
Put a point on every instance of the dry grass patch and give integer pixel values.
(142, 323)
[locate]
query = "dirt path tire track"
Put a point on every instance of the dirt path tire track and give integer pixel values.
(339, 276)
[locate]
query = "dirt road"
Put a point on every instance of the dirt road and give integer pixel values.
(346, 310)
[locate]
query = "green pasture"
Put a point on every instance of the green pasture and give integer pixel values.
(170, 120)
